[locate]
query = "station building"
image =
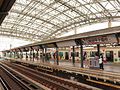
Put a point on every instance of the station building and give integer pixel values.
(61, 54)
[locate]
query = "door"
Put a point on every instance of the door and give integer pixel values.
(66, 56)
(109, 56)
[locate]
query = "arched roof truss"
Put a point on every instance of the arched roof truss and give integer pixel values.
(37, 20)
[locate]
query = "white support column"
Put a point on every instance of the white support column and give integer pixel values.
(109, 23)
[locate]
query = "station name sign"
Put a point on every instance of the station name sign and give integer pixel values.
(105, 39)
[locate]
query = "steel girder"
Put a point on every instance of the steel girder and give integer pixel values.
(45, 19)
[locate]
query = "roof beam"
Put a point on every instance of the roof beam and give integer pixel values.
(16, 11)
(73, 8)
(28, 36)
(78, 22)
(24, 26)
(18, 37)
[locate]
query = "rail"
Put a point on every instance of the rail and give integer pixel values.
(16, 79)
(115, 77)
(96, 76)
(5, 86)
(57, 81)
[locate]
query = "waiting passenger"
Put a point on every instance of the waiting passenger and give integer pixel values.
(43, 58)
(85, 60)
(101, 62)
(26, 57)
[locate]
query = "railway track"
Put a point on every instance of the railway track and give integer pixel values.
(10, 82)
(49, 81)
(104, 80)
(4, 86)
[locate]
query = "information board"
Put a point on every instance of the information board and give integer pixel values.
(105, 39)
(66, 43)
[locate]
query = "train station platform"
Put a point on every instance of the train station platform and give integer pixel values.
(108, 67)
(105, 77)
(11, 65)
(111, 68)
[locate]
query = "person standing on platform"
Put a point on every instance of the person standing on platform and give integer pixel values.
(47, 57)
(101, 62)
(84, 59)
(43, 58)
(26, 57)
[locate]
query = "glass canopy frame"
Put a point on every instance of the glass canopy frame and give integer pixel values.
(38, 20)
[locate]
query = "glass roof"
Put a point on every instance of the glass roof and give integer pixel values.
(38, 20)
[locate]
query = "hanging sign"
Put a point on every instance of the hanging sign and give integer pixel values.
(30, 48)
(18, 50)
(26, 48)
(36, 47)
(22, 49)
(66, 43)
(51, 45)
(106, 39)
(13, 50)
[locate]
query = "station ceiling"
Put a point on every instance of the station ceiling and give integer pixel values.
(38, 20)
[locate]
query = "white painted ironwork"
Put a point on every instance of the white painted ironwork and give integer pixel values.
(38, 20)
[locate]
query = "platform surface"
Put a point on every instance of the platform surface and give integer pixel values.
(109, 67)
(107, 74)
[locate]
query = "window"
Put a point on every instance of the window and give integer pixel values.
(119, 54)
(92, 53)
(76, 54)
